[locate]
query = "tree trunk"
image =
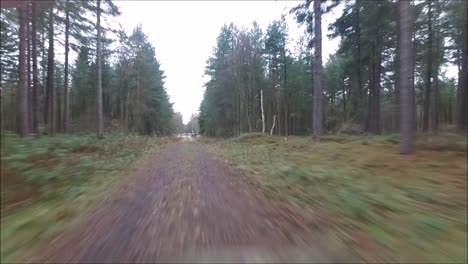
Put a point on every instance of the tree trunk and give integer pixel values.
(273, 126)
(50, 103)
(463, 83)
(436, 114)
(344, 102)
(396, 89)
(28, 26)
(263, 112)
(359, 93)
(21, 96)
(65, 83)
(427, 97)
(374, 86)
(407, 98)
(285, 90)
(100, 118)
(35, 97)
(318, 76)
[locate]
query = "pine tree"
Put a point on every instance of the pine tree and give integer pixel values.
(407, 103)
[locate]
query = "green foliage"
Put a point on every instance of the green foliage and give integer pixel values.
(134, 92)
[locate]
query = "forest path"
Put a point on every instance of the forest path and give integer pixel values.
(189, 206)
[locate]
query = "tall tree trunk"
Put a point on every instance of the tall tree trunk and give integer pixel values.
(65, 83)
(407, 98)
(427, 97)
(436, 114)
(263, 112)
(43, 88)
(396, 89)
(344, 102)
(100, 118)
(58, 107)
(28, 26)
(285, 90)
(35, 97)
(21, 96)
(360, 107)
(374, 86)
(50, 103)
(318, 76)
(463, 80)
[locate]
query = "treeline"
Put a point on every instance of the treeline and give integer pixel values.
(358, 89)
(115, 83)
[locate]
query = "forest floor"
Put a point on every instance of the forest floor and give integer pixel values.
(386, 206)
(268, 199)
(186, 205)
(49, 183)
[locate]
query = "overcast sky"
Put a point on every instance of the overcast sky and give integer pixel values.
(184, 34)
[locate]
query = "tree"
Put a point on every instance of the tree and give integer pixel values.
(22, 99)
(462, 119)
(100, 117)
(65, 84)
(427, 99)
(407, 103)
(50, 103)
(318, 75)
(35, 87)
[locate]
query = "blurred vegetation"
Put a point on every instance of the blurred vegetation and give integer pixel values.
(48, 182)
(411, 208)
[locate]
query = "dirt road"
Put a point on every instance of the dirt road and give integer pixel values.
(187, 205)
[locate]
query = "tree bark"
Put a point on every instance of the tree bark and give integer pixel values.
(273, 126)
(427, 97)
(359, 93)
(22, 94)
(407, 98)
(65, 84)
(263, 112)
(374, 86)
(50, 103)
(28, 26)
(436, 114)
(463, 82)
(100, 118)
(396, 89)
(318, 76)
(35, 97)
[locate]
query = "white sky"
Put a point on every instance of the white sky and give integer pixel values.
(184, 34)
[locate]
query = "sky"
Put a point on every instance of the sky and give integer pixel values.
(184, 35)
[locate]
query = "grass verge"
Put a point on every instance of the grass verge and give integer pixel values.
(49, 182)
(413, 208)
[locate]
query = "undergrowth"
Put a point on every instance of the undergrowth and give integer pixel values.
(48, 182)
(414, 207)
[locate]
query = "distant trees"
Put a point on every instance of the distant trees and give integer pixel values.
(44, 95)
(192, 125)
(363, 90)
(247, 66)
(178, 123)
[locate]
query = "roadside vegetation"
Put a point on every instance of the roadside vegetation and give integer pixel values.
(47, 183)
(387, 206)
